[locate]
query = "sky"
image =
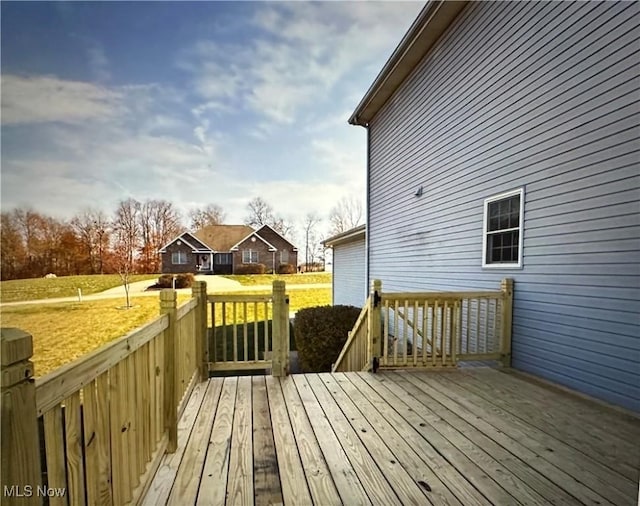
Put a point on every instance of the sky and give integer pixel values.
(192, 102)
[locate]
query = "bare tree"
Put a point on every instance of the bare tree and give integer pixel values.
(126, 226)
(212, 214)
(346, 214)
(261, 213)
(92, 229)
(159, 223)
(311, 221)
(12, 248)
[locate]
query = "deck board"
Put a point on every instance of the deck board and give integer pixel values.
(472, 436)
(611, 485)
(265, 462)
(609, 451)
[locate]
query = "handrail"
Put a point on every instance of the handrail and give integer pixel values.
(433, 329)
(439, 295)
(52, 388)
(240, 297)
(354, 335)
(250, 331)
(186, 308)
(105, 420)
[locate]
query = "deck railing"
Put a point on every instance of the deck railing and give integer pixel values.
(355, 353)
(250, 331)
(430, 329)
(103, 421)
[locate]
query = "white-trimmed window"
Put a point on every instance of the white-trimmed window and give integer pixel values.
(284, 256)
(249, 256)
(502, 232)
(179, 257)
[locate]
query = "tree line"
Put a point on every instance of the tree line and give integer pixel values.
(33, 244)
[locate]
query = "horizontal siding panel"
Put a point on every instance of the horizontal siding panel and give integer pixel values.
(590, 313)
(543, 96)
(593, 373)
(593, 340)
(586, 305)
(609, 239)
(527, 114)
(608, 366)
(349, 276)
(586, 220)
(551, 368)
(609, 329)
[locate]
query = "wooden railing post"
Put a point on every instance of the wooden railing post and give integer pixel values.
(374, 323)
(168, 306)
(199, 291)
(281, 345)
(507, 315)
(21, 473)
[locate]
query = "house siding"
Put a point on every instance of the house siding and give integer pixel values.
(280, 244)
(349, 278)
(265, 256)
(169, 268)
(540, 96)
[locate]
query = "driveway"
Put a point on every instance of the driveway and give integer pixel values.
(214, 283)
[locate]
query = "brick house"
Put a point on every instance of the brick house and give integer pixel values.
(221, 249)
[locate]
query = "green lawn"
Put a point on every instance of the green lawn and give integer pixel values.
(65, 331)
(290, 279)
(65, 286)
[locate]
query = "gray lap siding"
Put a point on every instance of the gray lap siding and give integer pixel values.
(536, 95)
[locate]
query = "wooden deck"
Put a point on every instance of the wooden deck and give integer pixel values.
(467, 436)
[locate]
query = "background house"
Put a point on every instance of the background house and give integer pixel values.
(222, 249)
(349, 282)
(503, 141)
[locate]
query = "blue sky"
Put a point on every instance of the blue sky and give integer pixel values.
(194, 102)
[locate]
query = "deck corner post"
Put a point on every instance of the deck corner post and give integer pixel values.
(199, 292)
(169, 306)
(20, 439)
(281, 345)
(375, 320)
(506, 286)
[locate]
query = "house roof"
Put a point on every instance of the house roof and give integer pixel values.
(293, 246)
(431, 23)
(256, 235)
(182, 238)
(353, 234)
(222, 237)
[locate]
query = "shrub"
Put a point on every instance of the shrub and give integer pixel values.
(185, 280)
(286, 269)
(320, 334)
(182, 281)
(251, 269)
(165, 281)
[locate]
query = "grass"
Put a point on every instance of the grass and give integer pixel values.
(289, 279)
(63, 332)
(65, 286)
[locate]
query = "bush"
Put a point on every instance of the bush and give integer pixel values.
(286, 269)
(185, 280)
(165, 281)
(320, 334)
(182, 281)
(251, 269)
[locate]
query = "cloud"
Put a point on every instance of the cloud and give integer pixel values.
(299, 53)
(98, 62)
(44, 99)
